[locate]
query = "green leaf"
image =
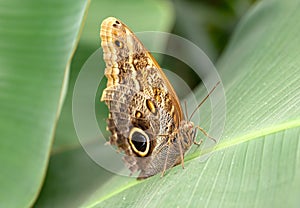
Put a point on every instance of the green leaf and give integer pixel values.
(257, 162)
(37, 40)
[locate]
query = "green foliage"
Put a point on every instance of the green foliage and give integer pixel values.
(36, 44)
(256, 163)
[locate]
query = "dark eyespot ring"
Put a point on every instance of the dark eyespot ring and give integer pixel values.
(139, 141)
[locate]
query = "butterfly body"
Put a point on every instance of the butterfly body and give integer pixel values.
(145, 117)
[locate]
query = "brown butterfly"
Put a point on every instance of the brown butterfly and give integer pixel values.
(145, 116)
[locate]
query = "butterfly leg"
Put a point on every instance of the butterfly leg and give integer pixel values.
(205, 133)
(198, 143)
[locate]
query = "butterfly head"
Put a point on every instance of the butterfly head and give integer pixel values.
(187, 132)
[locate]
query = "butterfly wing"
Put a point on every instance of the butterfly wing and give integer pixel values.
(143, 107)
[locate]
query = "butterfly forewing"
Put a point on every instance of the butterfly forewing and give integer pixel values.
(144, 110)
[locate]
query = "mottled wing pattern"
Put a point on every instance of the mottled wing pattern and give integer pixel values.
(138, 95)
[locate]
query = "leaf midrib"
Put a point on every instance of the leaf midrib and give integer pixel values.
(247, 137)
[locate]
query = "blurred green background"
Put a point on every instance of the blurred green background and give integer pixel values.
(256, 48)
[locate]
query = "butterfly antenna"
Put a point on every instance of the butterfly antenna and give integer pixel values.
(211, 91)
(186, 112)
